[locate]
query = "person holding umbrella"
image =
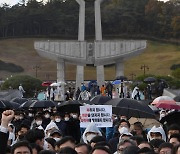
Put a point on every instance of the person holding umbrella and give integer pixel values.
(136, 94)
(109, 88)
(149, 91)
(52, 93)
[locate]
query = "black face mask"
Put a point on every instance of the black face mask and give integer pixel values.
(21, 137)
(133, 132)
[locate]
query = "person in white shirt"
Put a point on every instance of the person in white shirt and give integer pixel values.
(21, 90)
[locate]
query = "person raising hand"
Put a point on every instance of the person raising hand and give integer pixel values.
(7, 117)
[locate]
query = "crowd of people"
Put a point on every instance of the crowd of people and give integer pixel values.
(47, 131)
(81, 93)
(86, 92)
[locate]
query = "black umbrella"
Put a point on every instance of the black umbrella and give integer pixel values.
(154, 108)
(84, 102)
(147, 101)
(2, 104)
(14, 105)
(171, 118)
(99, 100)
(19, 100)
(177, 98)
(130, 108)
(121, 78)
(150, 80)
(26, 104)
(8, 105)
(71, 106)
(42, 104)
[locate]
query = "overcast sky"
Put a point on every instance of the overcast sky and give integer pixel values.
(12, 2)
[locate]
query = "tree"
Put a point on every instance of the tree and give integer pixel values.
(176, 73)
(29, 83)
(176, 26)
(152, 12)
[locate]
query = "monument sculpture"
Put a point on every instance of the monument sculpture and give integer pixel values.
(81, 52)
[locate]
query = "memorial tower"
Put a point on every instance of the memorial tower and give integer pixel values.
(80, 52)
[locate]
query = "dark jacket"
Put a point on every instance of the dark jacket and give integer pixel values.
(3, 142)
(73, 126)
(62, 126)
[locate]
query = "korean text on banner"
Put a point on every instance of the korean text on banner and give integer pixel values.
(101, 115)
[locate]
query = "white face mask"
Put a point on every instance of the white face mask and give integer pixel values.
(39, 122)
(74, 116)
(21, 117)
(17, 117)
(123, 130)
(162, 115)
(47, 116)
(30, 115)
(57, 120)
(90, 136)
(57, 139)
(66, 118)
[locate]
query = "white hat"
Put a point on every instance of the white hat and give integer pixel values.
(125, 134)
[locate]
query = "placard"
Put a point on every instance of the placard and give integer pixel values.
(101, 115)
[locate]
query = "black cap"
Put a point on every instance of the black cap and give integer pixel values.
(57, 132)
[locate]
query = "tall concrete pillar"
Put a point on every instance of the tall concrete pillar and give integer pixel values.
(79, 76)
(100, 75)
(81, 30)
(119, 68)
(98, 28)
(61, 72)
(98, 34)
(81, 35)
(120, 72)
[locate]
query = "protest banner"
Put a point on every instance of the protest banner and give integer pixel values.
(101, 115)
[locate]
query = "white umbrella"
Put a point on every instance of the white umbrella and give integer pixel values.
(56, 84)
(61, 83)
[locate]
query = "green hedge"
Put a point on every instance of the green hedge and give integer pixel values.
(30, 84)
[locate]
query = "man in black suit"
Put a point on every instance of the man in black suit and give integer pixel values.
(7, 117)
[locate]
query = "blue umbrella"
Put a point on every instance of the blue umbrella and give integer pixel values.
(92, 82)
(116, 82)
(41, 96)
